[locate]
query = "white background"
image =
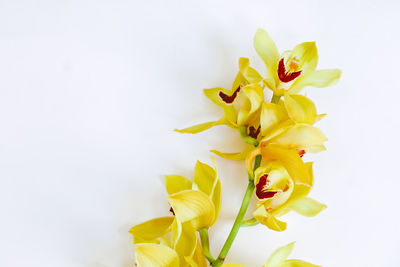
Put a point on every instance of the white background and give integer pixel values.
(91, 90)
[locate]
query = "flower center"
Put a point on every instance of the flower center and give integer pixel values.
(262, 190)
(253, 132)
(292, 73)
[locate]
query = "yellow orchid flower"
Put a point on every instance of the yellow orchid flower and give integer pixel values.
(241, 105)
(278, 192)
(293, 70)
(278, 258)
(193, 210)
(289, 124)
(205, 180)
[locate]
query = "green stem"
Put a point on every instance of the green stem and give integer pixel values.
(205, 243)
(239, 218)
(236, 226)
(275, 99)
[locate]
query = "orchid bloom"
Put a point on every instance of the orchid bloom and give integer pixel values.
(278, 258)
(241, 105)
(290, 124)
(278, 192)
(195, 205)
(292, 70)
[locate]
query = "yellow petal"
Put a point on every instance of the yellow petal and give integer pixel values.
(206, 180)
(202, 126)
(235, 156)
(307, 206)
(290, 159)
(255, 98)
(279, 256)
(315, 149)
(198, 259)
(193, 206)
(320, 117)
(298, 263)
(306, 55)
(250, 74)
(271, 116)
(213, 95)
(262, 216)
(149, 231)
(184, 240)
(266, 49)
(300, 109)
(155, 255)
(300, 136)
(319, 79)
(229, 109)
(177, 183)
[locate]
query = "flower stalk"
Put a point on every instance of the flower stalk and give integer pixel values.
(205, 243)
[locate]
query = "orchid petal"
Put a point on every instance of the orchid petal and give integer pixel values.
(300, 136)
(307, 206)
(155, 255)
(262, 216)
(271, 116)
(184, 240)
(298, 263)
(250, 74)
(149, 231)
(193, 206)
(177, 183)
(300, 109)
(202, 126)
(206, 180)
(290, 159)
(279, 256)
(319, 79)
(307, 55)
(267, 50)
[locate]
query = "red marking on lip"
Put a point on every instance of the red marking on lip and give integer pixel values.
(229, 99)
(253, 132)
(172, 211)
(286, 76)
(260, 192)
(301, 152)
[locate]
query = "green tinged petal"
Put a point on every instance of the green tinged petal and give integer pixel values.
(307, 206)
(279, 256)
(202, 126)
(307, 55)
(268, 52)
(319, 79)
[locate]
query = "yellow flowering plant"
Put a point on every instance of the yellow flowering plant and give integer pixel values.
(277, 134)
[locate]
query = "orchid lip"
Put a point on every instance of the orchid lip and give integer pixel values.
(285, 76)
(229, 99)
(260, 191)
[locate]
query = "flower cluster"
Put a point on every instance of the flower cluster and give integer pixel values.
(277, 134)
